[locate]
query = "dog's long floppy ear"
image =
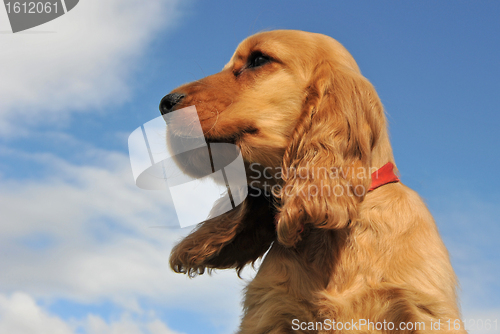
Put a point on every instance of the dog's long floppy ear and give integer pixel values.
(326, 168)
(231, 240)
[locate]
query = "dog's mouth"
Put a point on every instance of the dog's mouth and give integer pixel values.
(222, 140)
(234, 139)
(211, 135)
(191, 123)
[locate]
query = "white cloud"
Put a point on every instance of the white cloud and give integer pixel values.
(126, 325)
(78, 61)
(100, 242)
(20, 314)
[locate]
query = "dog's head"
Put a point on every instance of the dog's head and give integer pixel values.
(258, 97)
(296, 102)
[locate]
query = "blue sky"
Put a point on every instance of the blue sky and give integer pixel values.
(79, 254)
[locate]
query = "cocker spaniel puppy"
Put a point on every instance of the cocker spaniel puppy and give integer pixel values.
(349, 248)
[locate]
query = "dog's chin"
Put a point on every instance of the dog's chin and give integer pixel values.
(260, 174)
(196, 159)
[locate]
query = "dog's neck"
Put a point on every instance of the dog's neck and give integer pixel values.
(382, 152)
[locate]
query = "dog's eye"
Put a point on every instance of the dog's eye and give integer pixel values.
(258, 59)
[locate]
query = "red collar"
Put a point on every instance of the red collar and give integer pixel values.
(380, 177)
(383, 175)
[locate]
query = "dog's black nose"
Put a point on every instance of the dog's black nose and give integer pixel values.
(169, 101)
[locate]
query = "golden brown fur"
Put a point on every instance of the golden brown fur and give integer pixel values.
(342, 256)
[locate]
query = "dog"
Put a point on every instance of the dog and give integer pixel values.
(346, 246)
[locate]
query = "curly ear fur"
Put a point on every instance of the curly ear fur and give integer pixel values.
(327, 164)
(231, 240)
